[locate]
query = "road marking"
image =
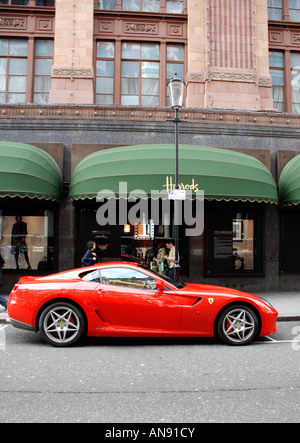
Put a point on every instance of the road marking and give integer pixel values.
(3, 338)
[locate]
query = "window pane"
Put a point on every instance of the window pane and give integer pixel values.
(276, 59)
(3, 66)
(275, 9)
(3, 46)
(2, 98)
(173, 68)
(130, 69)
(43, 67)
(147, 100)
(105, 68)
(104, 99)
(129, 100)
(175, 53)
(106, 4)
(131, 50)
(150, 52)
(175, 7)
(45, 3)
(18, 47)
(42, 84)
(17, 84)
(150, 70)
(44, 48)
(295, 59)
(105, 49)
(105, 85)
(41, 98)
(130, 86)
(151, 6)
(277, 77)
(16, 98)
(17, 66)
(150, 87)
(131, 5)
(2, 83)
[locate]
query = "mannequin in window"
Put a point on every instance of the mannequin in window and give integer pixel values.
(18, 241)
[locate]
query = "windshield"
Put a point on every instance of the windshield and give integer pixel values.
(177, 284)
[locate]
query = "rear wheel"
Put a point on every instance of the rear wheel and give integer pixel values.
(238, 325)
(62, 324)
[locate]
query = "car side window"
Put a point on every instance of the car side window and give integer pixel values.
(126, 277)
(92, 276)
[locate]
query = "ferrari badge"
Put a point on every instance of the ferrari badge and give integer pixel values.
(210, 301)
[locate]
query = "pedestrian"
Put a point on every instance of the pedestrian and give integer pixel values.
(160, 258)
(3, 302)
(90, 257)
(171, 258)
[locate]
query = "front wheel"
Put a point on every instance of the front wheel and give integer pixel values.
(238, 325)
(62, 324)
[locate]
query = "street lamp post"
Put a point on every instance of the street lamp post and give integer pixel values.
(176, 90)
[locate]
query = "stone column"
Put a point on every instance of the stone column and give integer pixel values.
(72, 70)
(228, 64)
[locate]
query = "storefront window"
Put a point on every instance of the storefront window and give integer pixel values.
(235, 242)
(27, 240)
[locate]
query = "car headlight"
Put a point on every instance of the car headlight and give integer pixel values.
(267, 302)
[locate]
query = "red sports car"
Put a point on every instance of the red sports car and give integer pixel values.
(124, 299)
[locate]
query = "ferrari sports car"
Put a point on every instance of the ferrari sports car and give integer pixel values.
(121, 299)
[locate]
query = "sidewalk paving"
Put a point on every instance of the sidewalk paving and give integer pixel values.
(286, 303)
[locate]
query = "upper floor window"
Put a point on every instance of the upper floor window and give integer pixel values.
(141, 5)
(143, 77)
(140, 74)
(175, 59)
(277, 73)
(175, 6)
(171, 6)
(42, 70)
(295, 82)
(26, 2)
(13, 70)
(294, 10)
(105, 68)
(275, 9)
(106, 4)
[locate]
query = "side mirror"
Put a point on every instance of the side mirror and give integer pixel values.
(160, 285)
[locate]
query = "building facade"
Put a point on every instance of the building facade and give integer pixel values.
(83, 92)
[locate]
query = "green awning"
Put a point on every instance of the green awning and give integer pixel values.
(27, 171)
(222, 174)
(289, 183)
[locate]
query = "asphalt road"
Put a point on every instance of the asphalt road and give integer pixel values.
(150, 380)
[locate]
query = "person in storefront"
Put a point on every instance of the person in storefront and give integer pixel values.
(3, 301)
(18, 241)
(160, 258)
(171, 258)
(90, 257)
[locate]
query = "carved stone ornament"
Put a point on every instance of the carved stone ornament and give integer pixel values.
(12, 23)
(230, 76)
(69, 72)
(140, 28)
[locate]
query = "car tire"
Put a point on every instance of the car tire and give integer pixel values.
(238, 325)
(62, 324)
